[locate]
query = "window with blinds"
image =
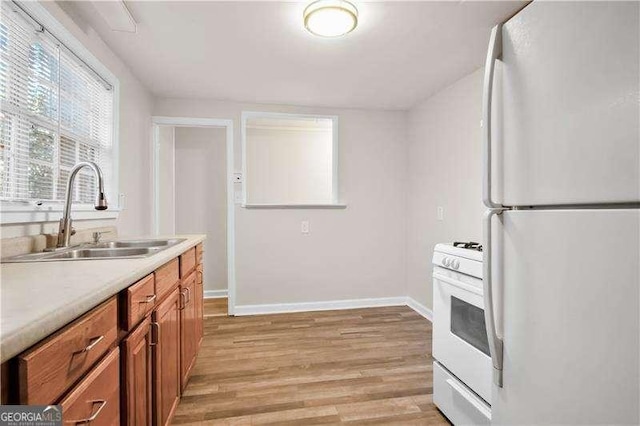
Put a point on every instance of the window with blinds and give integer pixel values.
(54, 112)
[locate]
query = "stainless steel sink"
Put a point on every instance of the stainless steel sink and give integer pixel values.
(102, 253)
(139, 243)
(106, 250)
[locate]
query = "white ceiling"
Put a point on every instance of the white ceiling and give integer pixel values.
(400, 53)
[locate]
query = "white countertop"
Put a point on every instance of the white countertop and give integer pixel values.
(38, 298)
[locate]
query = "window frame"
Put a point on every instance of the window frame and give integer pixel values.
(20, 212)
(335, 187)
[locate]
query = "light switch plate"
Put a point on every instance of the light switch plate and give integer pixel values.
(304, 227)
(440, 213)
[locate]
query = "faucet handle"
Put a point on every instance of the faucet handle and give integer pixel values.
(97, 235)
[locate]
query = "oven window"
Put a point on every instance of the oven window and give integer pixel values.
(467, 322)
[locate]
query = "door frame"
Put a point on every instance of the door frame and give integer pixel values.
(227, 124)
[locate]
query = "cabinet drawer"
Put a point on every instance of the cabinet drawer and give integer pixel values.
(139, 300)
(167, 277)
(187, 262)
(52, 366)
(96, 399)
(460, 404)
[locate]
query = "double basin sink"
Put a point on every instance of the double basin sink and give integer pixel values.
(106, 250)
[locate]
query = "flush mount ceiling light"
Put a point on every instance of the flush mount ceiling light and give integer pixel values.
(330, 18)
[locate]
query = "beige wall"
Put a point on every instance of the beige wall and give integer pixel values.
(166, 214)
(358, 252)
(134, 137)
(445, 166)
(289, 166)
(201, 196)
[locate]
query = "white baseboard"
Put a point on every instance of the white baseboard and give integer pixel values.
(420, 308)
(279, 308)
(215, 294)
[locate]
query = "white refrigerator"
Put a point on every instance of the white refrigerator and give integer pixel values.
(562, 229)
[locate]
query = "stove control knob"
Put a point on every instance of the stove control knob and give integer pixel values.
(455, 264)
(445, 261)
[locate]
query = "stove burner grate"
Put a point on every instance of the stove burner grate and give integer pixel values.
(471, 245)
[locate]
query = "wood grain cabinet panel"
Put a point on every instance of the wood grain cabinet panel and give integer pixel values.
(187, 262)
(189, 338)
(199, 302)
(166, 358)
(52, 366)
(96, 399)
(167, 277)
(138, 301)
(136, 377)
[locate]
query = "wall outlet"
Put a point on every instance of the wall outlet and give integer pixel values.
(440, 213)
(304, 227)
(237, 178)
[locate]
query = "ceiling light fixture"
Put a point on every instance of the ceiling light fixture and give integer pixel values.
(330, 18)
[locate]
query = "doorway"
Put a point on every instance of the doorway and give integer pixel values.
(193, 193)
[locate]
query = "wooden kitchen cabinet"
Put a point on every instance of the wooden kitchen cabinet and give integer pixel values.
(136, 384)
(166, 358)
(189, 338)
(127, 360)
(199, 302)
(199, 293)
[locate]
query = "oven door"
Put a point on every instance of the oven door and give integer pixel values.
(459, 332)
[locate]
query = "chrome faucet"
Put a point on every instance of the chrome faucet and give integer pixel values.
(65, 231)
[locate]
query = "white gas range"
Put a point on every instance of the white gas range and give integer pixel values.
(462, 366)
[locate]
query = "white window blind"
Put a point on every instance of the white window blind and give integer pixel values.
(54, 112)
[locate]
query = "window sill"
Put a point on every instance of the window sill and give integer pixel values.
(295, 206)
(18, 216)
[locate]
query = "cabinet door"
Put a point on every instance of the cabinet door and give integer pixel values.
(189, 332)
(166, 358)
(137, 376)
(199, 302)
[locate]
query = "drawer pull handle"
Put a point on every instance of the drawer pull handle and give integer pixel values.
(183, 299)
(91, 345)
(149, 299)
(157, 327)
(102, 403)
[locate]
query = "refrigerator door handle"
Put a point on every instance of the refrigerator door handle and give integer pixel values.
(493, 53)
(495, 342)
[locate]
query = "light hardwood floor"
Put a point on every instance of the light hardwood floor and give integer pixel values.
(350, 367)
(215, 307)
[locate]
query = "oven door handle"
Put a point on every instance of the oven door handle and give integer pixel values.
(495, 342)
